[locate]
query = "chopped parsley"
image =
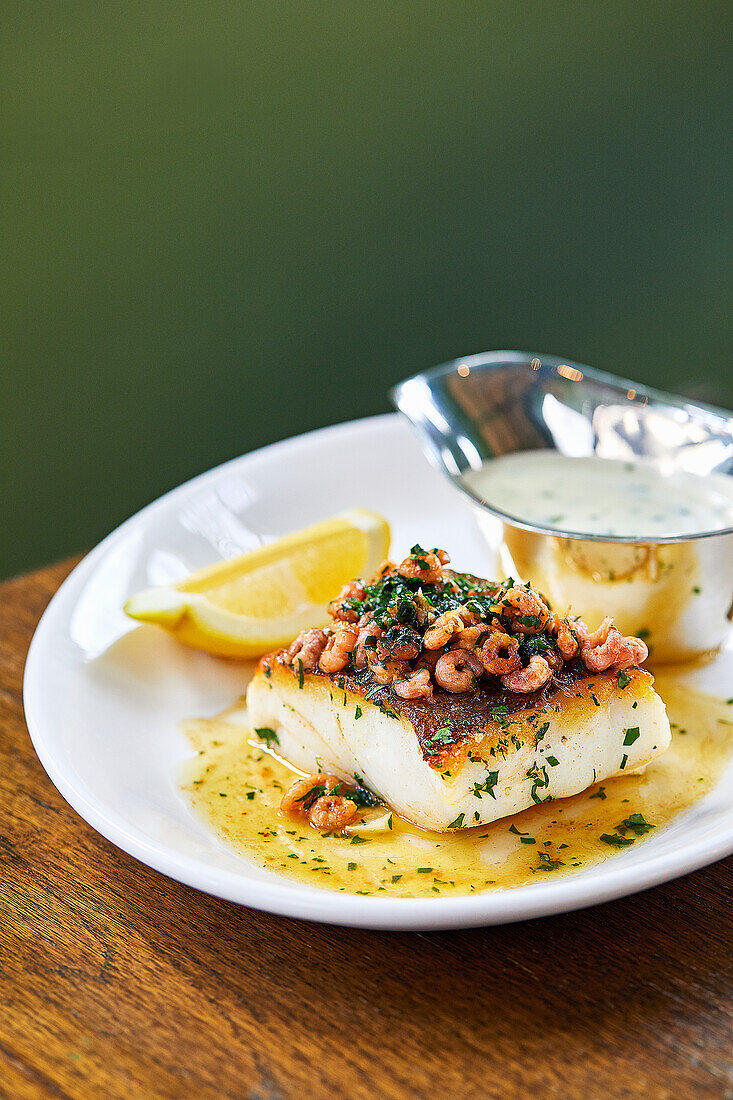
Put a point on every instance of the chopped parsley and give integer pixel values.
(540, 780)
(487, 787)
(361, 796)
(623, 680)
(631, 735)
(524, 838)
(600, 793)
(498, 714)
(540, 733)
(615, 840)
(636, 823)
(547, 864)
(310, 797)
(458, 823)
(438, 740)
(267, 735)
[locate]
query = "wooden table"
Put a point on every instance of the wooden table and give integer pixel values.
(118, 982)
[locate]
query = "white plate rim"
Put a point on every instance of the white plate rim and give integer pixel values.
(571, 892)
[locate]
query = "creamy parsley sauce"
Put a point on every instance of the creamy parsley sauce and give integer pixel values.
(597, 496)
(235, 784)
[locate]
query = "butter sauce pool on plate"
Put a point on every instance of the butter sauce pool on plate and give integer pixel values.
(235, 785)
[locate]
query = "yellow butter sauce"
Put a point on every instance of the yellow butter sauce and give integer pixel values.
(235, 784)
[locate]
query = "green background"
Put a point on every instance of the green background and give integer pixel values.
(225, 223)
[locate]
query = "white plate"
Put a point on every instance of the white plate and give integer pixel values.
(103, 698)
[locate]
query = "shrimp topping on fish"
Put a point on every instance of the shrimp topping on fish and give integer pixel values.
(421, 626)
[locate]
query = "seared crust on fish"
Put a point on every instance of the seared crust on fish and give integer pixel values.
(455, 760)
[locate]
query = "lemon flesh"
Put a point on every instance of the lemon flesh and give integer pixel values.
(260, 601)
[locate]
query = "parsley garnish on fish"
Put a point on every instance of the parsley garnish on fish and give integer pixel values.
(540, 780)
(438, 740)
(498, 714)
(631, 735)
(487, 787)
(541, 732)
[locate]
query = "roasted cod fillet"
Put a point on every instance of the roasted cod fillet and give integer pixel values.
(459, 760)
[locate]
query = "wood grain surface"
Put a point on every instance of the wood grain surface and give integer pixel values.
(118, 982)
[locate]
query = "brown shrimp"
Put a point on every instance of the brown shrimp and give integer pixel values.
(566, 640)
(367, 629)
(500, 654)
(417, 685)
(426, 567)
(307, 647)
(531, 678)
(339, 648)
(614, 651)
(332, 812)
(599, 636)
(293, 799)
(472, 637)
(527, 610)
(353, 590)
(457, 670)
(443, 629)
(401, 643)
(385, 672)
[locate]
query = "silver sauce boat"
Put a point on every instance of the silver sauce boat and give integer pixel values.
(676, 591)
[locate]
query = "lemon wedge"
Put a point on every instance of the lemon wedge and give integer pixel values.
(260, 601)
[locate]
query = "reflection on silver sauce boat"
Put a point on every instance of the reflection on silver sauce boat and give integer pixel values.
(676, 591)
